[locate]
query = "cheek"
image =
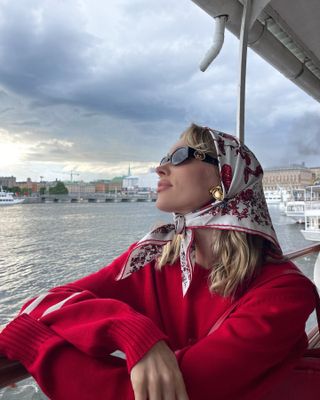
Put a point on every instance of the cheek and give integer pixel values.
(202, 180)
(202, 183)
(198, 186)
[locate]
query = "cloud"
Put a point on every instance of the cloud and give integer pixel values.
(305, 136)
(43, 47)
(50, 150)
(137, 68)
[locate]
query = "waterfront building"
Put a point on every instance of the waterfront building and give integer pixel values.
(8, 181)
(28, 185)
(294, 177)
(80, 187)
(316, 173)
(108, 186)
(130, 183)
(114, 186)
(100, 187)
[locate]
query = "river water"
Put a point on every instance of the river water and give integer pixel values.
(45, 245)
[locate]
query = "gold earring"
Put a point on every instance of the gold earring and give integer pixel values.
(217, 193)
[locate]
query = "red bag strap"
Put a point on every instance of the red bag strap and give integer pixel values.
(234, 305)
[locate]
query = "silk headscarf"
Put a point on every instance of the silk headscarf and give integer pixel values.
(243, 209)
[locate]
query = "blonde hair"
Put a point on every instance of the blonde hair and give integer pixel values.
(200, 138)
(238, 256)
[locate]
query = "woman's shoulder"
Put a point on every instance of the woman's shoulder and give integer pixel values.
(283, 279)
(281, 271)
(281, 289)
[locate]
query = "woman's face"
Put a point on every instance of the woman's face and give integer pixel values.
(185, 187)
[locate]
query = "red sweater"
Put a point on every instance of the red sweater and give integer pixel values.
(65, 338)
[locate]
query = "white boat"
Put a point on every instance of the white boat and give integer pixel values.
(8, 199)
(295, 210)
(295, 207)
(272, 197)
(312, 214)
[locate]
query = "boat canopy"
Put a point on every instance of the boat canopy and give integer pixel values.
(280, 31)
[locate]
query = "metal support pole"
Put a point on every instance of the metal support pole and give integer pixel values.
(243, 69)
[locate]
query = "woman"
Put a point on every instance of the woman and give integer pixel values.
(158, 301)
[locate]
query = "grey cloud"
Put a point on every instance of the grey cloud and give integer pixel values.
(306, 135)
(289, 140)
(5, 110)
(31, 123)
(55, 62)
(36, 53)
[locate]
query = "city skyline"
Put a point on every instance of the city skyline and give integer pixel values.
(91, 87)
(145, 180)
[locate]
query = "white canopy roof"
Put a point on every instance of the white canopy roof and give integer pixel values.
(286, 33)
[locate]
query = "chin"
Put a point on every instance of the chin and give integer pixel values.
(166, 207)
(163, 206)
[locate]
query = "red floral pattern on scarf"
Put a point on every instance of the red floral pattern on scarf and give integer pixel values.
(244, 205)
(258, 171)
(226, 176)
(244, 154)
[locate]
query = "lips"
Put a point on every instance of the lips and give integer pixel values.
(163, 185)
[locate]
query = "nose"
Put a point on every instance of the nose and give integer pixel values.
(162, 170)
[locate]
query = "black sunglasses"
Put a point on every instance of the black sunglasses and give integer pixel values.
(182, 154)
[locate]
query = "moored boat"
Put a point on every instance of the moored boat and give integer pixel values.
(8, 199)
(312, 214)
(272, 197)
(295, 210)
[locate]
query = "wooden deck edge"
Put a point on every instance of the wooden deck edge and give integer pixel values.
(303, 252)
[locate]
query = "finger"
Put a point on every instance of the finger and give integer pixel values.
(182, 394)
(139, 390)
(181, 391)
(154, 388)
(168, 386)
(168, 393)
(164, 392)
(140, 395)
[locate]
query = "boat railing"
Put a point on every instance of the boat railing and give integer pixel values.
(12, 371)
(312, 205)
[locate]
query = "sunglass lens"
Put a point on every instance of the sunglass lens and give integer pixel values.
(179, 156)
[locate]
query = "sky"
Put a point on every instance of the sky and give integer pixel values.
(92, 86)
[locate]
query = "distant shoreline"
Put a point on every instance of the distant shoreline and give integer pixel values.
(75, 200)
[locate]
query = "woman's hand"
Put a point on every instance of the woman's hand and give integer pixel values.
(157, 376)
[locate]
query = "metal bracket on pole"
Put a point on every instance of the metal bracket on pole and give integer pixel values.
(218, 40)
(257, 7)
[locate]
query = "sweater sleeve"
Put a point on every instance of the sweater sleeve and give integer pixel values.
(62, 371)
(95, 325)
(253, 347)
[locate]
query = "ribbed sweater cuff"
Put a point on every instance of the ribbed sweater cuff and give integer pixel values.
(136, 336)
(20, 338)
